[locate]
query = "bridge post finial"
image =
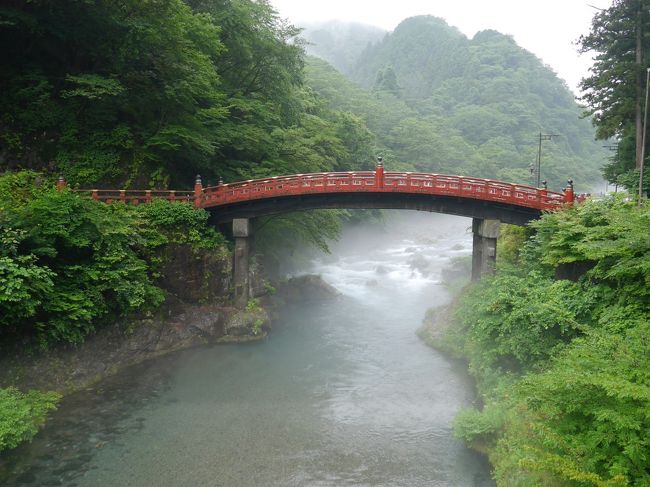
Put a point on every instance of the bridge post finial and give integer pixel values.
(379, 172)
(198, 191)
(60, 183)
(569, 195)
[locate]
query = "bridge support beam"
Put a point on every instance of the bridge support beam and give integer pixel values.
(242, 231)
(484, 249)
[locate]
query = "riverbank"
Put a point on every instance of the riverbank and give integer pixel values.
(556, 342)
(65, 369)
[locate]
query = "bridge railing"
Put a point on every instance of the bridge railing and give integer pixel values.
(477, 188)
(137, 196)
(367, 181)
(287, 185)
(352, 182)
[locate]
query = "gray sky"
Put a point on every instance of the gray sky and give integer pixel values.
(547, 28)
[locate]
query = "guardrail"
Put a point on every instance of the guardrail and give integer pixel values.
(376, 181)
(137, 196)
(391, 182)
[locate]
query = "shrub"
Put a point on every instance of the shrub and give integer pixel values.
(22, 414)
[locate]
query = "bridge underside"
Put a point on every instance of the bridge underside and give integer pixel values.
(451, 205)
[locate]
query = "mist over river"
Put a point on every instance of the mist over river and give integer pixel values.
(342, 393)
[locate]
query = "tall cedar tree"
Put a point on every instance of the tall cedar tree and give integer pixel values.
(614, 93)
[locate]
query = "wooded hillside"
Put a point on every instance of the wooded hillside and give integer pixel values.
(446, 103)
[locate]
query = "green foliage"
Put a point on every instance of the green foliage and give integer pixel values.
(270, 288)
(612, 233)
(563, 365)
(515, 322)
(92, 87)
(150, 94)
(179, 223)
(511, 239)
(474, 426)
(21, 415)
(253, 304)
(68, 263)
(257, 326)
(590, 409)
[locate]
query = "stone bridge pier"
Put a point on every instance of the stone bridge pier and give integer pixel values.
(242, 231)
(484, 247)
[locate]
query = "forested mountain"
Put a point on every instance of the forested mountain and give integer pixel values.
(137, 96)
(443, 102)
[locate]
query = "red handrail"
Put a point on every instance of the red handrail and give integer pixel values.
(392, 182)
(347, 182)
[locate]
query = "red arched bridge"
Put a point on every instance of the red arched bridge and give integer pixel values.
(487, 201)
(458, 195)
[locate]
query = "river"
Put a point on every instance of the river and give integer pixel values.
(342, 393)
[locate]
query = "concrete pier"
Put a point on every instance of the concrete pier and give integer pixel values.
(484, 248)
(242, 230)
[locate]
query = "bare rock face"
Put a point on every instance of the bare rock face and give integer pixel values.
(196, 275)
(305, 288)
(175, 327)
(251, 322)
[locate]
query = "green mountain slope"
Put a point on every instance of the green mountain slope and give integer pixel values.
(442, 102)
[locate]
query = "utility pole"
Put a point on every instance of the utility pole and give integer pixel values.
(645, 131)
(639, 51)
(538, 178)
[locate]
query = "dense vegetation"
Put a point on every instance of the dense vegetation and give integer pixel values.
(445, 103)
(562, 366)
(140, 94)
(147, 94)
(68, 263)
(21, 414)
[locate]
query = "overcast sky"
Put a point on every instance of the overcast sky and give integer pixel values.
(548, 28)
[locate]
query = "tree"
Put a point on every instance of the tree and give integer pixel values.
(614, 93)
(387, 81)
